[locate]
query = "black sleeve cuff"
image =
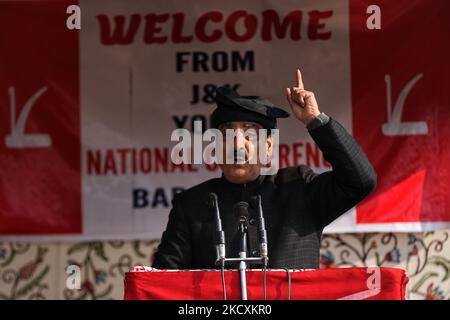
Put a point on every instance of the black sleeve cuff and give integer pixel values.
(320, 120)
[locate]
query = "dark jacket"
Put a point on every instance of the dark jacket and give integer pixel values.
(297, 205)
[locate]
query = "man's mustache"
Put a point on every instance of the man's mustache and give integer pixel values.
(239, 156)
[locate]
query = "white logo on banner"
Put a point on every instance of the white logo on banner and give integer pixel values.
(18, 138)
(394, 126)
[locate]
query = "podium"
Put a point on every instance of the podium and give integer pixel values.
(372, 283)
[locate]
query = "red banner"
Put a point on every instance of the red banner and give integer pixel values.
(400, 100)
(40, 186)
(86, 115)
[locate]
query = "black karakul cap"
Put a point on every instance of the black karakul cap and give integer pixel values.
(233, 107)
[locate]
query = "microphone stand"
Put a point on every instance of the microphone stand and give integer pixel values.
(219, 239)
(243, 225)
(262, 238)
(242, 212)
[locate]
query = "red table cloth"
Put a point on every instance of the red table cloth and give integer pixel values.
(373, 283)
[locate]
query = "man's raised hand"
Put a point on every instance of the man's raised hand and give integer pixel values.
(303, 103)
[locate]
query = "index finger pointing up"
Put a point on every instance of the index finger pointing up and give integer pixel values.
(299, 80)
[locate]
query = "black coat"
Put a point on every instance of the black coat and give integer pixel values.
(297, 205)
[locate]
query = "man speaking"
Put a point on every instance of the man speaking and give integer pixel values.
(297, 203)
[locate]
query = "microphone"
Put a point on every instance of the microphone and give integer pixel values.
(240, 210)
(219, 234)
(262, 233)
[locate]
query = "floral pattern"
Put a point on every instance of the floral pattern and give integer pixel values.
(26, 279)
(429, 265)
(38, 270)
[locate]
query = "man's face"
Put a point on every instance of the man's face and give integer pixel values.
(243, 150)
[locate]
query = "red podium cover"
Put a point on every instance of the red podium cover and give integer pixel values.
(144, 283)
